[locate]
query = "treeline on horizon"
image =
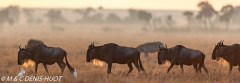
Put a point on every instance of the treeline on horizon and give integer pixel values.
(228, 14)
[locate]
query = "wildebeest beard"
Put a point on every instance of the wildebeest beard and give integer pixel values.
(97, 62)
(28, 62)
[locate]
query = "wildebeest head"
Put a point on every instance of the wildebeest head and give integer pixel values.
(220, 44)
(90, 52)
(26, 53)
(220, 52)
(162, 53)
(23, 55)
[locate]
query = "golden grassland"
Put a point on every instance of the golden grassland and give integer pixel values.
(75, 40)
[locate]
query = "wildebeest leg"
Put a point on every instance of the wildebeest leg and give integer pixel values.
(109, 68)
(231, 64)
(170, 67)
(36, 66)
(130, 68)
(199, 67)
(230, 68)
(195, 66)
(136, 65)
(135, 62)
(181, 65)
(45, 66)
(205, 69)
(62, 65)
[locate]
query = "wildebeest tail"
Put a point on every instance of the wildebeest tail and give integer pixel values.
(202, 64)
(203, 58)
(68, 65)
(140, 63)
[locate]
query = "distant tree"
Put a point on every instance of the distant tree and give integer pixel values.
(227, 14)
(100, 8)
(96, 18)
(156, 21)
(189, 16)
(133, 16)
(5, 17)
(85, 13)
(206, 12)
(169, 21)
(14, 13)
(145, 16)
(113, 18)
(55, 16)
(236, 15)
(29, 14)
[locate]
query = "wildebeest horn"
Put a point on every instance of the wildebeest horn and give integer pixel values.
(20, 47)
(221, 42)
(92, 44)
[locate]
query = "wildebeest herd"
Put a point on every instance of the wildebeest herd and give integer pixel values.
(110, 53)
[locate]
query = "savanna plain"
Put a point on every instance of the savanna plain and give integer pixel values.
(76, 38)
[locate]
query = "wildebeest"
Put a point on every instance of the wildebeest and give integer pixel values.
(230, 53)
(149, 47)
(113, 53)
(45, 55)
(33, 42)
(180, 55)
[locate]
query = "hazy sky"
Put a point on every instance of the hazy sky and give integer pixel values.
(118, 4)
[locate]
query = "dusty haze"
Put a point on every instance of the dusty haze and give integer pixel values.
(74, 34)
(76, 38)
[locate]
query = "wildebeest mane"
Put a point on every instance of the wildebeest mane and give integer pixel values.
(101, 51)
(175, 51)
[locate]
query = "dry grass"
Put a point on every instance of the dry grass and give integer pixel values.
(75, 40)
